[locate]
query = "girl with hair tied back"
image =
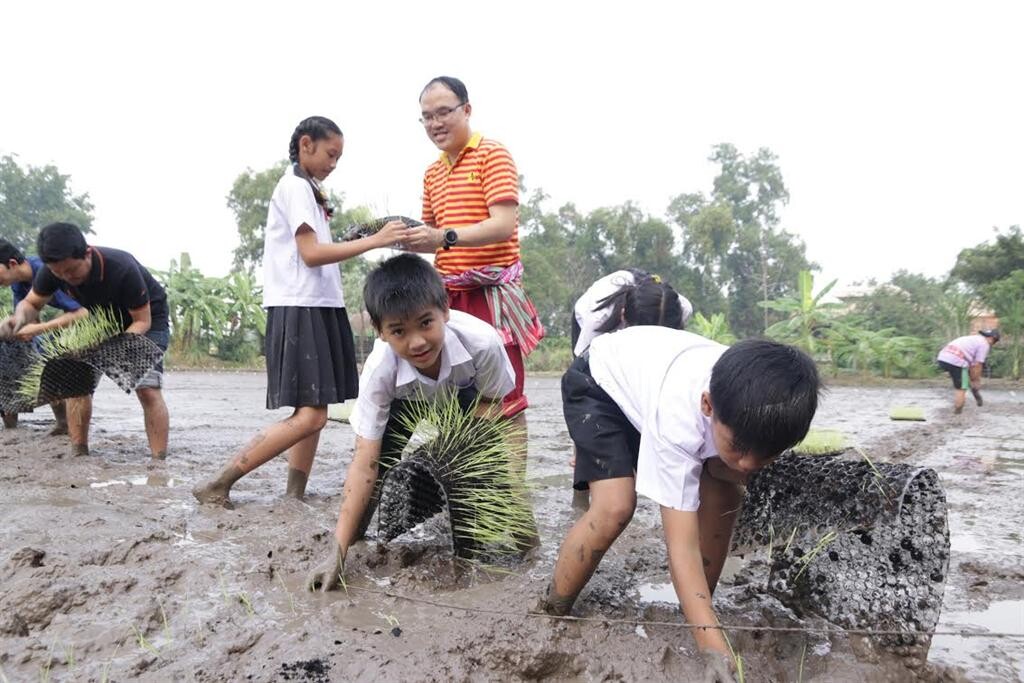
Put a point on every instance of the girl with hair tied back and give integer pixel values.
(625, 298)
(309, 347)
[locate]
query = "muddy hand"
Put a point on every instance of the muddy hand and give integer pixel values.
(718, 667)
(393, 235)
(328, 576)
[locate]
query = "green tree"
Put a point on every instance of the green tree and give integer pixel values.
(807, 319)
(1007, 298)
(34, 196)
(732, 239)
(197, 308)
(715, 328)
(249, 200)
(987, 263)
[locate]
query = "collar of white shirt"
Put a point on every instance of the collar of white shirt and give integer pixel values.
(454, 353)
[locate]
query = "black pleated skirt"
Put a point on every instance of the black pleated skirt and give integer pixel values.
(311, 357)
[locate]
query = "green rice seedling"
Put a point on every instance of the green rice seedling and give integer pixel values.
(167, 628)
(806, 559)
(912, 413)
(143, 643)
(736, 658)
(87, 333)
(822, 442)
(474, 458)
(105, 674)
(69, 656)
(247, 602)
(288, 593)
(224, 591)
(877, 478)
(800, 671)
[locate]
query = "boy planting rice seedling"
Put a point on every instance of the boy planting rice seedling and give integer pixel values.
(425, 353)
(682, 420)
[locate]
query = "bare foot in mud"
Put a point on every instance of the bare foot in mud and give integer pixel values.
(78, 449)
(212, 494)
(10, 421)
(162, 455)
(59, 429)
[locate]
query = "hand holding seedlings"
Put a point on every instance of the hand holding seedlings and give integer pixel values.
(328, 575)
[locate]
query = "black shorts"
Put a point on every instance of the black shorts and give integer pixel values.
(607, 444)
(961, 377)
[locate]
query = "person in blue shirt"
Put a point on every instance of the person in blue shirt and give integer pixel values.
(17, 271)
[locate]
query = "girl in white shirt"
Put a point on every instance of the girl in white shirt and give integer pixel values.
(625, 298)
(309, 348)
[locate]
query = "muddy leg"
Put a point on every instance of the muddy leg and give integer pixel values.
(720, 503)
(959, 398)
(79, 413)
(157, 421)
(263, 447)
(300, 464)
(10, 420)
(60, 412)
(612, 502)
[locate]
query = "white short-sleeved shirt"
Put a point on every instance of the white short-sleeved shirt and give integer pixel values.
(656, 375)
(287, 281)
(589, 319)
(473, 355)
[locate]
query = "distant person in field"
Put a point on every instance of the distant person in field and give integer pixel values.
(471, 212)
(102, 278)
(17, 272)
(310, 352)
(963, 359)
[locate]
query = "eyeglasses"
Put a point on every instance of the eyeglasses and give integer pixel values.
(439, 114)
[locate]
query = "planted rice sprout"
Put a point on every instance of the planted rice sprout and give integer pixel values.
(878, 480)
(473, 458)
(806, 559)
(144, 644)
(86, 333)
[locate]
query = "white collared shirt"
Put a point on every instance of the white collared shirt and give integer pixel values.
(287, 280)
(589, 319)
(656, 375)
(473, 355)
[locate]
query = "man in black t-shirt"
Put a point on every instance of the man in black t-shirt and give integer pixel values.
(100, 277)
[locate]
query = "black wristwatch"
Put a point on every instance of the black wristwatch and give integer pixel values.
(451, 238)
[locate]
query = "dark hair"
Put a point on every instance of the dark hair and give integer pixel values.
(317, 128)
(58, 241)
(993, 333)
(648, 301)
(402, 286)
(450, 82)
(766, 393)
(8, 251)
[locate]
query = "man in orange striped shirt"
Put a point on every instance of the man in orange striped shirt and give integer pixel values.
(471, 212)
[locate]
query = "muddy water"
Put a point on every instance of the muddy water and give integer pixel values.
(109, 571)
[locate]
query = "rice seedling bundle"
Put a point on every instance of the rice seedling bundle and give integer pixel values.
(862, 544)
(73, 359)
(913, 413)
(464, 468)
(359, 230)
(16, 357)
(822, 442)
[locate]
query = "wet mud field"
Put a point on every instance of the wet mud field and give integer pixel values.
(110, 571)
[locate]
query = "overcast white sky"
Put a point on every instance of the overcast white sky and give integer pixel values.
(899, 126)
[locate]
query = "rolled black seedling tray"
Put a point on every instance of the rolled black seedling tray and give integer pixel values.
(16, 357)
(360, 230)
(864, 545)
(411, 493)
(125, 359)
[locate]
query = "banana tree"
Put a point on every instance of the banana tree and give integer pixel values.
(716, 328)
(809, 318)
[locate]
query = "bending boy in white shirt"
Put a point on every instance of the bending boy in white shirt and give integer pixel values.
(682, 420)
(425, 352)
